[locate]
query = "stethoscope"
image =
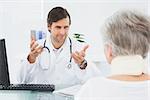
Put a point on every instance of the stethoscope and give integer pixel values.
(70, 60)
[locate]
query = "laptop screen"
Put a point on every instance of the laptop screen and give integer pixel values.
(4, 73)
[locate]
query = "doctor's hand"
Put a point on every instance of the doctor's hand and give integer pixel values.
(78, 56)
(36, 49)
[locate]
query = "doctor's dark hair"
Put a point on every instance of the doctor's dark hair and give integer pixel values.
(57, 14)
(128, 33)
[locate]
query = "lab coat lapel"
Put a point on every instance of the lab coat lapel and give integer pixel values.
(45, 56)
(52, 55)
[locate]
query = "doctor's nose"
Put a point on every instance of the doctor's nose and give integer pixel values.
(62, 31)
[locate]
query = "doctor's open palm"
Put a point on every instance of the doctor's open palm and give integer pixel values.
(36, 49)
(79, 56)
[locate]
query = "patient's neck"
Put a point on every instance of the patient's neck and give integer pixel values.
(141, 77)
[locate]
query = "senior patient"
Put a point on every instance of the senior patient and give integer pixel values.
(126, 39)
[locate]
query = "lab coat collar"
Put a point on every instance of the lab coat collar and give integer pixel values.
(128, 65)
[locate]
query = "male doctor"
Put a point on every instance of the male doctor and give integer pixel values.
(61, 60)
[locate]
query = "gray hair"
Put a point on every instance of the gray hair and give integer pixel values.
(128, 32)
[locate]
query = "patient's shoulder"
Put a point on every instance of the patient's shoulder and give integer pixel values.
(98, 81)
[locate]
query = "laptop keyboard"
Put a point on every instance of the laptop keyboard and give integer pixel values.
(32, 87)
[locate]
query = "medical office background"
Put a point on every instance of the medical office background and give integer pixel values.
(18, 17)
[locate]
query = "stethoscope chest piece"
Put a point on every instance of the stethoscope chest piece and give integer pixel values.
(69, 66)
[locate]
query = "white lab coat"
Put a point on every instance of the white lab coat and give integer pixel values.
(55, 70)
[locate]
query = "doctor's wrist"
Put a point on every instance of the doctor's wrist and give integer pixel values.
(83, 64)
(31, 59)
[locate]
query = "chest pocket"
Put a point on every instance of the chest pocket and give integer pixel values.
(69, 69)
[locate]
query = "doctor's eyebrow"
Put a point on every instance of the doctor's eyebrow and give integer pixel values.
(66, 26)
(59, 27)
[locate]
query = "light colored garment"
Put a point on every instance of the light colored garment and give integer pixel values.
(128, 65)
(52, 68)
(106, 89)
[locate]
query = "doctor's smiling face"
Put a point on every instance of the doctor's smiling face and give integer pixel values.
(59, 31)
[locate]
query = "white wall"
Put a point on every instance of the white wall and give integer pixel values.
(18, 17)
(1, 24)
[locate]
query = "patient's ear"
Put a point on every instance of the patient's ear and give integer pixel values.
(108, 53)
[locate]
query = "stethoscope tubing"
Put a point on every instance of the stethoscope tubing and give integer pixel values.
(70, 60)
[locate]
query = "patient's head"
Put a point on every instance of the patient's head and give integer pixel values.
(127, 33)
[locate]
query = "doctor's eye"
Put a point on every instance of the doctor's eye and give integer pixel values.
(58, 27)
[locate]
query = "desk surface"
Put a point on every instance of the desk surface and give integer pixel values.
(31, 95)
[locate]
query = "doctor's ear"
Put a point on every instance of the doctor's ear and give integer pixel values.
(49, 31)
(108, 53)
(49, 27)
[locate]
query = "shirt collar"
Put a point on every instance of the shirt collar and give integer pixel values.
(51, 47)
(128, 65)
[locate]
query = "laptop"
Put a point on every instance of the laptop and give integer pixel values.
(5, 80)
